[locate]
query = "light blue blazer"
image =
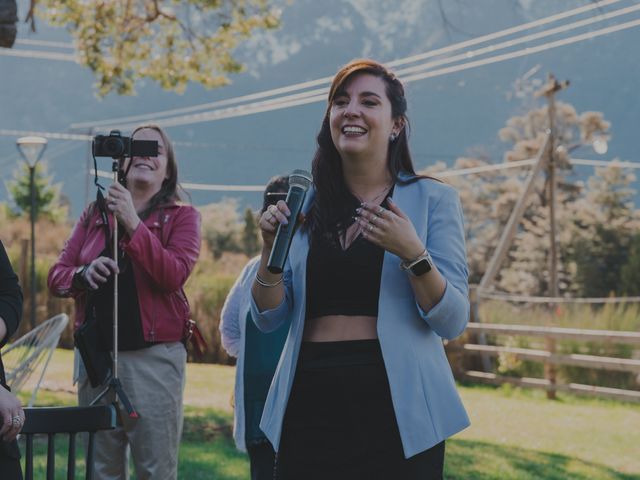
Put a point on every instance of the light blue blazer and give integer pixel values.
(426, 403)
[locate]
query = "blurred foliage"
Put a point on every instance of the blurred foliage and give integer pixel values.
(221, 227)
(206, 288)
(168, 41)
(595, 220)
(630, 272)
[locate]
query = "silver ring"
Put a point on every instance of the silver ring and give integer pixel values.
(272, 209)
(373, 220)
(380, 211)
(371, 227)
(16, 420)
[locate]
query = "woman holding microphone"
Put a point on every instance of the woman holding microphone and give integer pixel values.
(376, 277)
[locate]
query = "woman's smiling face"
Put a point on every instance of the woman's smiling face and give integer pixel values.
(360, 117)
(151, 171)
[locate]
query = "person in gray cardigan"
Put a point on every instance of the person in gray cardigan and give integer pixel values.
(11, 413)
(376, 278)
(257, 355)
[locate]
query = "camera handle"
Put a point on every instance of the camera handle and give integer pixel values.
(114, 382)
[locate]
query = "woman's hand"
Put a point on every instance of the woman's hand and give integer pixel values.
(99, 271)
(11, 415)
(273, 216)
(269, 291)
(119, 201)
(390, 229)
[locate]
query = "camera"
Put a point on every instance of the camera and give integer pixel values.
(115, 145)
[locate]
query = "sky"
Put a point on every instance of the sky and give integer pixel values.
(454, 110)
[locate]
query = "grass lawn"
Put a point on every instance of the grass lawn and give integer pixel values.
(520, 434)
(515, 434)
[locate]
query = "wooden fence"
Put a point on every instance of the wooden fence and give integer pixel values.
(549, 357)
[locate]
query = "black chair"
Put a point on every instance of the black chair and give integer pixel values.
(69, 420)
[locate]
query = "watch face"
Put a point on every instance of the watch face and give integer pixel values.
(422, 267)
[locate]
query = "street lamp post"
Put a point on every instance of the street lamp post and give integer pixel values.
(31, 149)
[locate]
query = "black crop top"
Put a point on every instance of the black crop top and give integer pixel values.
(343, 282)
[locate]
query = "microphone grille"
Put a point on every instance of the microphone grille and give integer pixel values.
(300, 178)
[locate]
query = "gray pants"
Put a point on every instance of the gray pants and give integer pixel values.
(153, 379)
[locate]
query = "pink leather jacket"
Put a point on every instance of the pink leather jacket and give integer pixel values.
(163, 251)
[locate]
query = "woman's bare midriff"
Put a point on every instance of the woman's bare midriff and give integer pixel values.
(336, 328)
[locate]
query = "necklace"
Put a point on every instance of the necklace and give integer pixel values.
(354, 230)
(374, 199)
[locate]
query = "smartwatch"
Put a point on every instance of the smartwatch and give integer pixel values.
(418, 266)
(78, 277)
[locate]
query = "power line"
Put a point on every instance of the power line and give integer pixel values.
(270, 105)
(219, 103)
(530, 161)
(326, 80)
(486, 168)
(444, 174)
(319, 94)
(50, 135)
(202, 186)
(233, 112)
(176, 143)
(447, 173)
(525, 51)
(604, 163)
(65, 57)
(507, 32)
(526, 38)
(299, 98)
(44, 43)
(52, 153)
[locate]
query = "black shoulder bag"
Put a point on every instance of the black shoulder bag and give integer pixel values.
(97, 360)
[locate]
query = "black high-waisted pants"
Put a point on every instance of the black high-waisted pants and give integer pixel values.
(340, 423)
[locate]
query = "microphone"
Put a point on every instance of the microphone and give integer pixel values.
(299, 182)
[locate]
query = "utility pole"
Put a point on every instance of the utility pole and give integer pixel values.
(549, 91)
(545, 160)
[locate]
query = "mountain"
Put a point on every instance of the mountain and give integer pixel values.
(451, 115)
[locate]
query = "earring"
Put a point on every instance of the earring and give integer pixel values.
(393, 137)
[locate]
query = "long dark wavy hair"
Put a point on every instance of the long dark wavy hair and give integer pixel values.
(333, 205)
(170, 191)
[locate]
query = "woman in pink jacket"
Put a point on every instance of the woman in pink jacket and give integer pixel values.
(159, 243)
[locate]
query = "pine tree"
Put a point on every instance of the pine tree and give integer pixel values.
(630, 272)
(47, 194)
(601, 244)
